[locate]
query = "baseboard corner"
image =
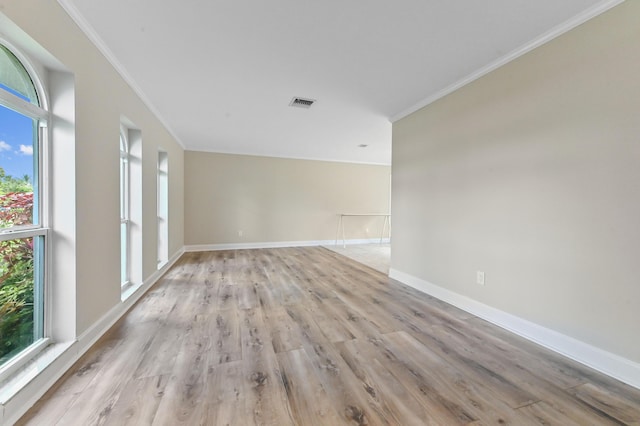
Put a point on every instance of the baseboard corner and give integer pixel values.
(608, 363)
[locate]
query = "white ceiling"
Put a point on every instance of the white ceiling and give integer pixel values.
(221, 73)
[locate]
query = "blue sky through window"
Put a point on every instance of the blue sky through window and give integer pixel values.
(16, 143)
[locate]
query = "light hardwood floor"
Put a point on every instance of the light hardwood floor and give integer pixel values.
(376, 256)
(304, 336)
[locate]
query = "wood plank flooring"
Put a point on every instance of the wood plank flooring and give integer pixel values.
(305, 336)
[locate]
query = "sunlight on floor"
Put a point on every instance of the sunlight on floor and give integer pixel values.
(376, 256)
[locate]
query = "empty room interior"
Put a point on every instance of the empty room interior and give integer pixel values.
(366, 212)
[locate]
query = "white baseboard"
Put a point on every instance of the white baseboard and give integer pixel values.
(93, 333)
(279, 244)
(24, 398)
(613, 365)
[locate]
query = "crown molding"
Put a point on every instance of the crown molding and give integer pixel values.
(93, 36)
(546, 37)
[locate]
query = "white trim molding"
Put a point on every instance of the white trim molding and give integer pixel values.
(286, 157)
(279, 244)
(546, 37)
(58, 358)
(133, 294)
(613, 365)
(97, 41)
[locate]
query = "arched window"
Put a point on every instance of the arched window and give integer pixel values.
(15, 79)
(23, 224)
(124, 209)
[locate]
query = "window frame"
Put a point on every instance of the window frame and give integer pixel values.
(42, 257)
(125, 207)
(162, 208)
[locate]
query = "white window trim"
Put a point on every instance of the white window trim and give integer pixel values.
(42, 115)
(135, 255)
(23, 107)
(126, 198)
(162, 208)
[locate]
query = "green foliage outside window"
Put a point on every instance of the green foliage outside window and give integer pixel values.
(16, 268)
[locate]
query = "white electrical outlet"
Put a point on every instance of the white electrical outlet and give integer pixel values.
(240, 233)
(480, 277)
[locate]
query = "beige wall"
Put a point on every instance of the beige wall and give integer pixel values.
(276, 200)
(532, 175)
(101, 98)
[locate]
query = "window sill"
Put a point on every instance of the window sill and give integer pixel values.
(32, 369)
(128, 290)
(17, 362)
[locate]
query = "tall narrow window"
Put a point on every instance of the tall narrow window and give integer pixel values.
(124, 209)
(163, 208)
(23, 219)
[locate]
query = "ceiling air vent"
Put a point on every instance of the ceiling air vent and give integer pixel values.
(301, 102)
